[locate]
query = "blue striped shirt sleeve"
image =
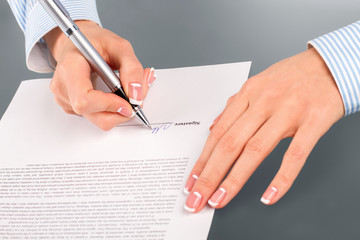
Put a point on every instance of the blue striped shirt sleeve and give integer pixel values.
(36, 23)
(341, 52)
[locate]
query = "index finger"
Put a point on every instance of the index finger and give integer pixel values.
(235, 108)
(121, 56)
(83, 98)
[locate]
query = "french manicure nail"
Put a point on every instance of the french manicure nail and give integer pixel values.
(269, 195)
(212, 126)
(217, 118)
(190, 183)
(126, 112)
(214, 122)
(217, 197)
(192, 202)
(135, 93)
(152, 76)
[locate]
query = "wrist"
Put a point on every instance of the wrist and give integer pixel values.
(317, 65)
(56, 40)
(323, 76)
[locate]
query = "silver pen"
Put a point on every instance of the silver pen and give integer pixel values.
(62, 18)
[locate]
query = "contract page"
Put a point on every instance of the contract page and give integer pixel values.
(63, 178)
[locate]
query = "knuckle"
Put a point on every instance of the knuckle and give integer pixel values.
(276, 92)
(102, 52)
(251, 84)
(233, 181)
(205, 182)
(111, 107)
(227, 144)
(133, 67)
(53, 86)
(315, 118)
(229, 101)
(296, 154)
(293, 117)
(68, 111)
(105, 125)
(80, 106)
(245, 87)
(284, 180)
(106, 122)
(255, 145)
(296, 101)
(217, 133)
(125, 43)
(259, 111)
(201, 163)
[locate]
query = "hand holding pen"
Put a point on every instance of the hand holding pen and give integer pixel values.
(72, 86)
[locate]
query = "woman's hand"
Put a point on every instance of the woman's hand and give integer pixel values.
(297, 98)
(71, 83)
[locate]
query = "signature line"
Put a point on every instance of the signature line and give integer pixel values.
(136, 125)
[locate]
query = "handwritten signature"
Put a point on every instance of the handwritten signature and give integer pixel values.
(162, 127)
(165, 126)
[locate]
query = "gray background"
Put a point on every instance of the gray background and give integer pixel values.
(324, 201)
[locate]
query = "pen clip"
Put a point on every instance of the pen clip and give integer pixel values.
(62, 8)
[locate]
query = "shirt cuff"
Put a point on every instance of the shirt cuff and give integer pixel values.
(38, 56)
(341, 52)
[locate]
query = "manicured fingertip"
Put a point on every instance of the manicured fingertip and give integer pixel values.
(126, 112)
(135, 93)
(189, 209)
(190, 183)
(193, 202)
(217, 197)
(217, 118)
(264, 201)
(152, 77)
(215, 121)
(269, 195)
(212, 126)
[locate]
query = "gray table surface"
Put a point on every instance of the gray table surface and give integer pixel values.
(324, 201)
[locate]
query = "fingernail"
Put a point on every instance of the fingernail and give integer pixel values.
(217, 118)
(192, 202)
(214, 122)
(126, 112)
(212, 126)
(269, 195)
(152, 76)
(153, 79)
(190, 183)
(135, 93)
(217, 197)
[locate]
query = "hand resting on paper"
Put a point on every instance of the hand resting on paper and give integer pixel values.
(71, 83)
(296, 97)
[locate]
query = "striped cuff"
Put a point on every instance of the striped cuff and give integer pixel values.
(38, 56)
(341, 52)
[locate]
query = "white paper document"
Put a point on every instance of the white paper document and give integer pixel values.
(63, 178)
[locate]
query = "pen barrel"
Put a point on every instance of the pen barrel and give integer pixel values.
(58, 13)
(97, 62)
(62, 18)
